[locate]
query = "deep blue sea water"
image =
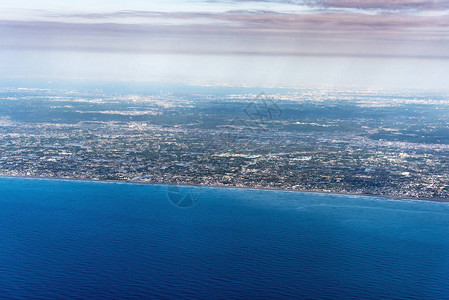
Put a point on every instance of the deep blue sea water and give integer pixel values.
(75, 239)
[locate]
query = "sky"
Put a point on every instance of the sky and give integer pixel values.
(267, 43)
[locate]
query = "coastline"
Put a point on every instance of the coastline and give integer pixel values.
(229, 186)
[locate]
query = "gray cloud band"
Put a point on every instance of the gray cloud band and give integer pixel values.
(362, 4)
(242, 33)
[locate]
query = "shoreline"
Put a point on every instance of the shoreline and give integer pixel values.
(230, 186)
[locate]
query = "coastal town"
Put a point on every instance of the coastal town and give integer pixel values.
(342, 141)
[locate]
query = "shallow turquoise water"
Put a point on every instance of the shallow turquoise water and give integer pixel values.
(76, 239)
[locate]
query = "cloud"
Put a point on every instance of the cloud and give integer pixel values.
(384, 4)
(342, 34)
(272, 19)
(372, 40)
(392, 5)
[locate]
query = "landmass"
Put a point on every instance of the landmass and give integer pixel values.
(370, 142)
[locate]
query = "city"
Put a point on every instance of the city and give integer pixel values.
(369, 142)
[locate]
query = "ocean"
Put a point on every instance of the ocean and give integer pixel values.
(62, 239)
